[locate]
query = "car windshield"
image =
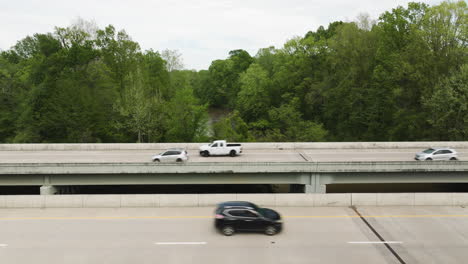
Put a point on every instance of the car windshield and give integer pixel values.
(268, 213)
(428, 151)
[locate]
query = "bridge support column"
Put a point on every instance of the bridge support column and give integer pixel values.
(314, 184)
(48, 190)
(309, 188)
(322, 188)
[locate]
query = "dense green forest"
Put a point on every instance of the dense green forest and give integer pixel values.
(402, 77)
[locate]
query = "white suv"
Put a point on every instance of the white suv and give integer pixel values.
(437, 154)
(171, 155)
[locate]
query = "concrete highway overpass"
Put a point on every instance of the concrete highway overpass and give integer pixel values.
(313, 165)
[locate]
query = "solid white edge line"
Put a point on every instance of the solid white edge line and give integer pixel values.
(3, 245)
(375, 242)
(180, 243)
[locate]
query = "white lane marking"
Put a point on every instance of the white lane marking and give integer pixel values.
(375, 242)
(180, 243)
(3, 245)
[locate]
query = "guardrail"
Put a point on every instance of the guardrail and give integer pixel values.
(266, 145)
(201, 200)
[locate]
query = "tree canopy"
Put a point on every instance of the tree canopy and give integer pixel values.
(400, 77)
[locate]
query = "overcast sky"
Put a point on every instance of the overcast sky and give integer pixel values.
(203, 30)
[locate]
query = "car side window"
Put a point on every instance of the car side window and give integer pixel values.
(238, 213)
(438, 152)
(242, 213)
(166, 153)
(249, 214)
(447, 151)
(215, 145)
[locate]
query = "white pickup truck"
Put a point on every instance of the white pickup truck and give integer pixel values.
(219, 148)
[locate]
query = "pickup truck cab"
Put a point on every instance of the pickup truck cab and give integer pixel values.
(220, 148)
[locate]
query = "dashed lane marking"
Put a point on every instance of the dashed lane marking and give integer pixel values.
(180, 243)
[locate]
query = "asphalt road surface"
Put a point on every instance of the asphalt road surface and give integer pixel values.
(186, 235)
(258, 155)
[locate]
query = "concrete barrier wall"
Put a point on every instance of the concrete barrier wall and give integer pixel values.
(267, 145)
(116, 172)
(202, 200)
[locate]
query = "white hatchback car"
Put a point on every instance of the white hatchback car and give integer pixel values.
(437, 154)
(171, 155)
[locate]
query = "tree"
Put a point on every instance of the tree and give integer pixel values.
(173, 60)
(142, 106)
(135, 106)
(444, 30)
(232, 128)
(157, 81)
(69, 90)
(220, 80)
(201, 86)
(401, 78)
(241, 60)
(253, 101)
(119, 53)
(447, 107)
(220, 86)
(352, 52)
(10, 96)
(287, 125)
(186, 118)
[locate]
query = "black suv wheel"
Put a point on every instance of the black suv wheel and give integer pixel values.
(228, 230)
(271, 230)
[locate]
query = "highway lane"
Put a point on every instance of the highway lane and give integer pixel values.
(186, 235)
(249, 155)
(435, 239)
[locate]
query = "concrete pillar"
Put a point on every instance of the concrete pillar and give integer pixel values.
(48, 190)
(322, 188)
(309, 188)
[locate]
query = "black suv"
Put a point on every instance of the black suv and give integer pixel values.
(245, 216)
